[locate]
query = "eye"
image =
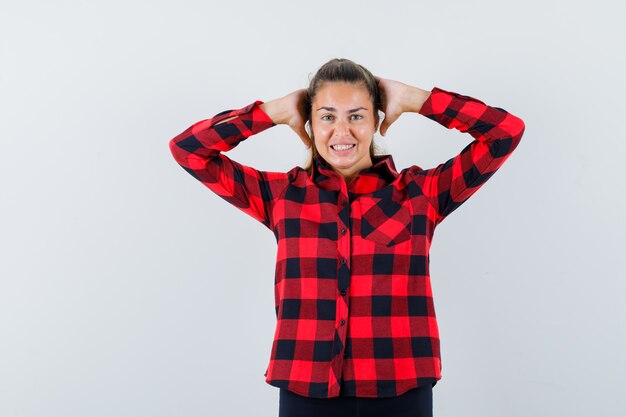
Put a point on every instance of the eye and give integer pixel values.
(356, 117)
(327, 117)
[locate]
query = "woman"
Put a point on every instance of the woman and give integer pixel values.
(356, 331)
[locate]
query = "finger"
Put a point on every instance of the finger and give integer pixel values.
(388, 121)
(379, 84)
(383, 127)
(304, 136)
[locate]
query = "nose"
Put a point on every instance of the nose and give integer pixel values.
(341, 129)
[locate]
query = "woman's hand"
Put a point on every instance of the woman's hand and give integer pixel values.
(290, 110)
(398, 98)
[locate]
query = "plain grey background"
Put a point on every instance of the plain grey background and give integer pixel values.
(129, 289)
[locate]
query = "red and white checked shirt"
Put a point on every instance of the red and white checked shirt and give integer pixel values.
(353, 297)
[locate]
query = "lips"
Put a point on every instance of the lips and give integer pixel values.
(343, 147)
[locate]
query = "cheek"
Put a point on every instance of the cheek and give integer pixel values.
(318, 139)
(320, 133)
(365, 133)
(318, 144)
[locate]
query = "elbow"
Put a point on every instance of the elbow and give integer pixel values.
(515, 128)
(521, 128)
(173, 144)
(177, 152)
(184, 145)
(511, 132)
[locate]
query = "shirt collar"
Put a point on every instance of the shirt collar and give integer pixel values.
(382, 165)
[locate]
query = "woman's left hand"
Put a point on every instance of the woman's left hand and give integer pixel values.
(398, 98)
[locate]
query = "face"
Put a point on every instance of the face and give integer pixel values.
(343, 124)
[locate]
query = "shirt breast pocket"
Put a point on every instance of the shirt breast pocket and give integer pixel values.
(386, 221)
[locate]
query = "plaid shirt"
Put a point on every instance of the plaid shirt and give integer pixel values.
(353, 298)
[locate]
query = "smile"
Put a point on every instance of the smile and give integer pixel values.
(342, 147)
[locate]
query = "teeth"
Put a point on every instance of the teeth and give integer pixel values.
(341, 147)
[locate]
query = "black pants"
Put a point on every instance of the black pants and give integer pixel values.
(417, 402)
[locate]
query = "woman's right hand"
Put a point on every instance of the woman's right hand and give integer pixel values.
(290, 110)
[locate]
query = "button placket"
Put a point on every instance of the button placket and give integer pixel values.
(343, 255)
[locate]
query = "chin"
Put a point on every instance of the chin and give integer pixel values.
(342, 165)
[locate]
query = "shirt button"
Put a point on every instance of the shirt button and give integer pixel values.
(346, 354)
(343, 261)
(343, 322)
(342, 292)
(343, 231)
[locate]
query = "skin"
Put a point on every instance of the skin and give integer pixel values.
(340, 125)
(343, 114)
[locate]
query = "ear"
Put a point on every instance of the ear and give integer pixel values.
(378, 120)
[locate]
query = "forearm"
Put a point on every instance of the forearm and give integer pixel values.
(414, 98)
(398, 98)
(207, 138)
(276, 110)
(485, 123)
(289, 110)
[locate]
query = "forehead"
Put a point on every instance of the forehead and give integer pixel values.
(338, 93)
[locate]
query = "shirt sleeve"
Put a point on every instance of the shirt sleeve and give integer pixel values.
(496, 134)
(198, 150)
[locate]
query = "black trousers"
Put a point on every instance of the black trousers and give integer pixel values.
(417, 402)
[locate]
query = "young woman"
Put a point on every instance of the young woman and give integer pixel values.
(356, 332)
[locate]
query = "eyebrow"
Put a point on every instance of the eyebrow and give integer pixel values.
(334, 109)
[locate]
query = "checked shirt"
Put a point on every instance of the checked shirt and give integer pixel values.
(353, 297)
